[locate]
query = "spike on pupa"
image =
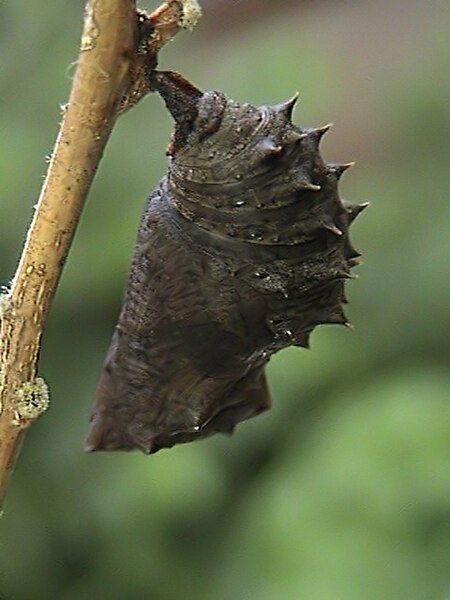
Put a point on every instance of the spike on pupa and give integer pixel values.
(269, 149)
(332, 228)
(344, 275)
(286, 108)
(336, 318)
(304, 340)
(148, 448)
(318, 133)
(294, 138)
(353, 210)
(305, 184)
(339, 169)
(350, 252)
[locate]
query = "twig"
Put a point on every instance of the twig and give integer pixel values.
(118, 48)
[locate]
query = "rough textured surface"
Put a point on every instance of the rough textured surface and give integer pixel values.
(243, 249)
(34, 399)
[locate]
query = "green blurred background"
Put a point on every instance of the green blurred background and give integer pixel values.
(342, 490)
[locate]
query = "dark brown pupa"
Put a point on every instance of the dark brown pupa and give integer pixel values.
(242, 250)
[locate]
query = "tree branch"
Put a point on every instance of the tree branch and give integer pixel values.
(118, 49)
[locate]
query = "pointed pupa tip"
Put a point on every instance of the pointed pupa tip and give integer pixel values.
(292, 101)
(90, 448)
(351, 253)
(319, 132)
(306, 343)
(355, 262)
(286, 108)
(338, 318)
(294, 137)
(304, 340)
(333, 229)
(342, 318)
(304, 183)
(269, 148)
(312, 187)
(339, 170)
(344, 275)
(354, 210)
(145, 445)
(94, 440)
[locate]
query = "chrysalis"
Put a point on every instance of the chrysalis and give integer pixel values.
(242, 250)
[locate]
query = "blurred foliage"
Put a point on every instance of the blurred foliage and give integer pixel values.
(342, 490)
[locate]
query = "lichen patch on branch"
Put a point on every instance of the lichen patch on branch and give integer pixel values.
(191, 14)
(33, 400)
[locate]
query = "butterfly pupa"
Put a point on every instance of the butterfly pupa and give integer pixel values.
(243, 249)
